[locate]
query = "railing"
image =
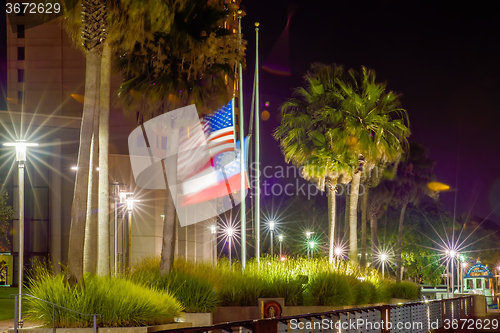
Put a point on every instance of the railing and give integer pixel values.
(418, 317)
(53, 312)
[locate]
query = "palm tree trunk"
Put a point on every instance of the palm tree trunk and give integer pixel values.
(364, 209)
(90, 245)
(353, 218)
(79, 207)
(346, 211)
(103, 256)
(374, 230)
(400, 239)
(332, 202)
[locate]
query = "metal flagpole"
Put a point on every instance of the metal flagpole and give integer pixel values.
(242, 159)
(257, 150)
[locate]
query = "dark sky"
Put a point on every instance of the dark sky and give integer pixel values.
(441, 56)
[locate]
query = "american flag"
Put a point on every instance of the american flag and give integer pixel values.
(198, 146)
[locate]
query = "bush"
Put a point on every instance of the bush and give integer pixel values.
(405, 289)
(121, 303)
(329, 289)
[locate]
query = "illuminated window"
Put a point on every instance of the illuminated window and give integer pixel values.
(486, 284)
(225, 24)
(478, 284)
(234, 31)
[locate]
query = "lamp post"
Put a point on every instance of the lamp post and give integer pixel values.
(383, 259)
(130, 208)
(311, 245)
(280, 238)
(230, 233)
(308, 236)
(452, 256)
(21, 159)
(213, 231)
(271, 228)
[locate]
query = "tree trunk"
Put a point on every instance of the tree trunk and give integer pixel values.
(346, 212)
(364, 211)
(332, 202)
(168, 243)
(79, 206)
(400, 240)
(353, 218)
(103, 256)
(374, 231)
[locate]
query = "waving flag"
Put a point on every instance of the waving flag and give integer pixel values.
(221, 176)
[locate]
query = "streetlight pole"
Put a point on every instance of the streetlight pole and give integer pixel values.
(21, 159)
(230, 232)
(308, 236)
(383, 258)
(311, 244)
(280, 238)
(452, 255)
(213, 231)
(130, 208)
(271, 228)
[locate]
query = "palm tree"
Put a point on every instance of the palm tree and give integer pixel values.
(98, 26)
(305, 137)
(373, 131)
(410, 186)
(189, 64)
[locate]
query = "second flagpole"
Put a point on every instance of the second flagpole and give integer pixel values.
(257, 149)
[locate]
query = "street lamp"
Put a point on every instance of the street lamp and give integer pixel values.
(452, 254)
(230, 233)
(213, 231)
(271, 228)
(383, 259)
(130, 208)
(280, 238)
(21, 159)
(308, 236)
(311, 245)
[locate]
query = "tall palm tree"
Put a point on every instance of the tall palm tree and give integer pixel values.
(305, 137)
(114, 26)
(189, 64)
(410, 186)
(373, 131)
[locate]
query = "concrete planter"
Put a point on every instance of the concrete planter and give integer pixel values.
(235, 313)
(198, 319)
(401, 300)
(143, 329)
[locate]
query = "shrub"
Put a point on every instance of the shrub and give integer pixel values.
(329, 289)
(405, 289)
(121, 303)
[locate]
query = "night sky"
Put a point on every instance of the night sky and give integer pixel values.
(443, 58)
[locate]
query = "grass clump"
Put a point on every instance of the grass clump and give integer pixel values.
(405, 289)
(120, 302)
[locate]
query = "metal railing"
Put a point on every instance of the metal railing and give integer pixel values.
(53, 312)
(416, 317)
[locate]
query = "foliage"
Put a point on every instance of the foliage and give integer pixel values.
(6, 214)
(120, 302)
(405, 290)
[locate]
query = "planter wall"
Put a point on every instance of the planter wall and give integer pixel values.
(198, 319)
(143, 329)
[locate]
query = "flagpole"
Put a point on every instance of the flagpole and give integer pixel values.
(242, 160)
(257, 150)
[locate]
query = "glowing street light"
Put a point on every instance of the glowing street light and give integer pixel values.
(21, 159)
(308, 236)
(130, 208)
(213, 231)
(452, 254)
(311, 245)
(271, 228)
(383, 259)
(230, 233)
(280, 238)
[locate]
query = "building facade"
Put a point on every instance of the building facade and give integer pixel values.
(45, 89)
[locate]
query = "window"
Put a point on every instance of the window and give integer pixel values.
(20, 96)
(486, 284)
(20, 53)
(469, 284)
(478, 284)
(20, 75)
(20, 31)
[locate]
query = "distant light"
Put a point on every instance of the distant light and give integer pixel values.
(20, 148)
(308, 234)
(383, 257)
(130, 204)
(311, 244)
(230, 232)
(271, 225)
(464, 264)
(269, 263)
(213, 229)
(74, 168)
(338, 251)
(283, 258)
(266, 104)
(280, 238)
(438, 187)
(453, 253)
